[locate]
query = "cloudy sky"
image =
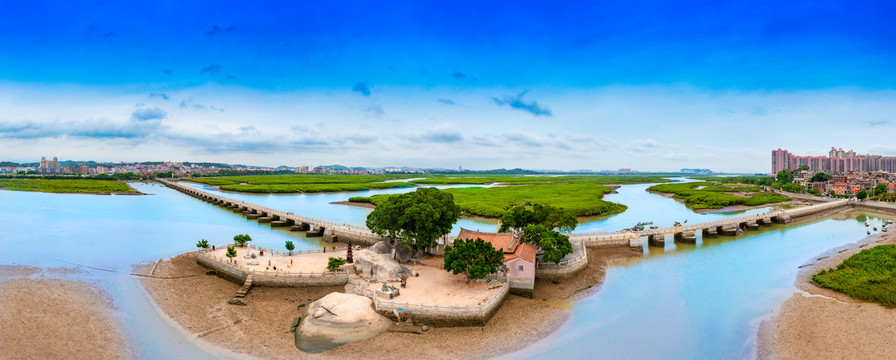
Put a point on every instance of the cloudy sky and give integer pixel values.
(578, 85)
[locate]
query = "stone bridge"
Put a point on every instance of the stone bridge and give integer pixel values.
(362, 235)
(329, 231)
(688, 233)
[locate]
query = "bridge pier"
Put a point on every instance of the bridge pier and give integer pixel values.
(765, 221)
(253, 215)
(265, 219)
(687, 237)
(730, 230)
(319, 232)
(658, 240)
(710, 232)
(300, 227)
(781, 219)
(279, 223)
(751, 225)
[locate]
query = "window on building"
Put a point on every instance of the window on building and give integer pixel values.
(521, 268)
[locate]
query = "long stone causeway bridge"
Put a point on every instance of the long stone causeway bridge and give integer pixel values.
(656, 237)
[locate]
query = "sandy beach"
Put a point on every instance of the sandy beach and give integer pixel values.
(824, 324)
(55, 319)
(197, 302)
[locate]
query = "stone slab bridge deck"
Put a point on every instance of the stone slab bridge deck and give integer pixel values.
(688, 233)
(329, 231)
(362, 235)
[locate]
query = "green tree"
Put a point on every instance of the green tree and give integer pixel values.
(202, 244)
(417, 218)
(554, 244)
(290, 246)
(794, 188)
(802, 167)
(831, 192)
(861, 195)
(880, 189)
(231, 252)
(785, 176)
(242, 239)
(474, 258)
(334, 264)
(547, 216)
(820, 177)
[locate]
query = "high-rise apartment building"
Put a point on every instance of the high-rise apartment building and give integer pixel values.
(837, 161)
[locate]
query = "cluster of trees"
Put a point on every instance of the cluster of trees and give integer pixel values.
(415, 219)
(541, 226)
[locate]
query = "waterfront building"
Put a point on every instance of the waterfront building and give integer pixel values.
(519, 258)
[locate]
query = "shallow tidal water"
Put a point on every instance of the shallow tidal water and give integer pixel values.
(684, 301)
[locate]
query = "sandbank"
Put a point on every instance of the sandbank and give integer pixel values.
(824, 324)
(56, 319)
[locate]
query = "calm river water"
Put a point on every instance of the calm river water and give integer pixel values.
(685, 301)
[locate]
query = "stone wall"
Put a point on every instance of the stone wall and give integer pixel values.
(270, 279)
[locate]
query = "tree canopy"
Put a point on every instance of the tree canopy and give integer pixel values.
(785, 176)
(820, 177)
(334, 264)
(202, 244)
(242, 239)
(550, 217)
(554, 244)
(417, 218)
(802, 167)
(231, 252)
(474, 258)
(880, 189)
(861, 195)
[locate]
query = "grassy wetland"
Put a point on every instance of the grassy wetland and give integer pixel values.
(869, 275)
(710, 195)
(82, 186)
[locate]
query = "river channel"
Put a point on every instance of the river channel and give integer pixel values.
(684, 301)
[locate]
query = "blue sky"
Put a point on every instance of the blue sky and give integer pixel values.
(549, 85)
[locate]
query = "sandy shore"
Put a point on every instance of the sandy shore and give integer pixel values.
(198, 303)
(824, 324)
(55, 319)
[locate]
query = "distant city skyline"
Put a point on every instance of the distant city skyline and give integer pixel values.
(659, 86)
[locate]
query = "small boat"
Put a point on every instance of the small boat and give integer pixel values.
(869, 233)
(874, 228)
(867, 224)
(883, 229)
(685, 221)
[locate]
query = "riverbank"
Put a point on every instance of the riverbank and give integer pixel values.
(56, 319)
(824, 324)
(198, 303)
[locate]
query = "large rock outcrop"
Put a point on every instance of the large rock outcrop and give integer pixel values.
(338, 319)
(378, 267)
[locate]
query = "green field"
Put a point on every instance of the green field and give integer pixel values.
(714, 196)
(300, 183)
(582, 198)
(869, 275)
(66, 186)
(520, 179)
(306, 183)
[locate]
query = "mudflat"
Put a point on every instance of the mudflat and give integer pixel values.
(825, 324)
(56, 319)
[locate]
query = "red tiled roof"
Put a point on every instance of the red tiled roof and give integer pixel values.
(524, 251)
(504, 241)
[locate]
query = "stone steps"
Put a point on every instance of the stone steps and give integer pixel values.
(241, 293)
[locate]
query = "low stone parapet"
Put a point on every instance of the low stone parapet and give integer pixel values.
(238, 274)
(470, 315)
